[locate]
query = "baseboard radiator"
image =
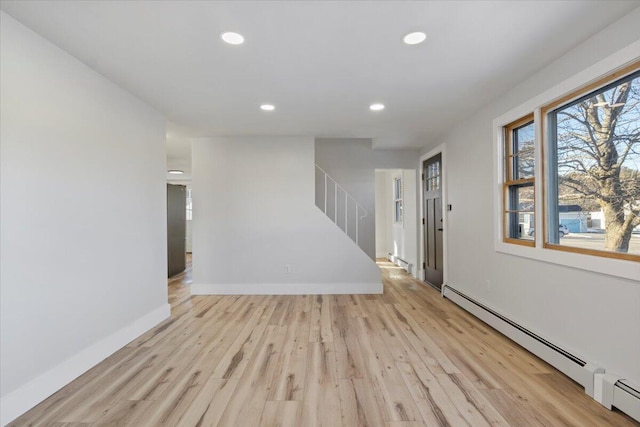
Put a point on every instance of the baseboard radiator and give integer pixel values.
(400, 262)
(608, 389)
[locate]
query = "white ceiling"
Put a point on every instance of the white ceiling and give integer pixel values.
(320, 63)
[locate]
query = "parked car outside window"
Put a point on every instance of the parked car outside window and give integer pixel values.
(563, 230)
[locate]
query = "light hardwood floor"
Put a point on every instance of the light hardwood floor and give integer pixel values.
(402, 359)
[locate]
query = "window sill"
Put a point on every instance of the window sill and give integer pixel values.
(576, 250)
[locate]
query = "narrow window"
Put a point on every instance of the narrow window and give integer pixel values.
(519, 182)
(593, 183)
(397, 199)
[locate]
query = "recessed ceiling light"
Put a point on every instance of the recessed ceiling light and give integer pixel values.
(176, 172)
(267, 107)
(376, 107)
(232, 38)
(414, 38)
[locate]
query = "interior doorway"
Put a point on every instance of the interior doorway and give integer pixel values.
(433, 220)
(176, 229)
(396, 217)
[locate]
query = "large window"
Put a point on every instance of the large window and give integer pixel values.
(592, 180)
(568, 173)
(519, 194)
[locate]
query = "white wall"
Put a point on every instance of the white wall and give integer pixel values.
(83, 218)
(593, 315)
(383, 210)
(254, 214)
(189, 239)
(410, 221)
(395, 159)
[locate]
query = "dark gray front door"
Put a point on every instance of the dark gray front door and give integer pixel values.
(433, 226)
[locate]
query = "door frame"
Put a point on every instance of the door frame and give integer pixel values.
(440, 149)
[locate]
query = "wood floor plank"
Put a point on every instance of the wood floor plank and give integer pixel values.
(480, 374)
(349, 358)
(247, 402)
(391, 392)
(207, 406)
(413, 341)
(191, 351)
(406, 358)
(515, 409)
(405, 424)
(355, 305)
(389, 330)
(289, 375)
(282, 312)
(358, 404)
(122, 413)
(429, 346)
(281, 414)
(433, 403)
(472, 408)
(321, 397)
(70, 425)
(475, 399)
(235, 359)
(321, 320)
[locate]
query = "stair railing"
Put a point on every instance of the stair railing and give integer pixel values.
(359, 209)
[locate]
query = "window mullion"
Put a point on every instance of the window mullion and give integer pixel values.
(539, 170)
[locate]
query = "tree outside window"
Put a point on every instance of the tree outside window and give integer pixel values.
(594, 183)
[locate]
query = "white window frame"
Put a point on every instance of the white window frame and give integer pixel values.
(398, 198)
(609, 266)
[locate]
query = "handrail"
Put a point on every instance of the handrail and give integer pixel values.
(366, 212)
(347, 196)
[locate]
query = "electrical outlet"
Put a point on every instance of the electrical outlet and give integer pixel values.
(287, 268)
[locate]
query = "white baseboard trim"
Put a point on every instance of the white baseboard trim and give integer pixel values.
(35, 391)
(408, 267)
(627, 399)
(285, 288)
